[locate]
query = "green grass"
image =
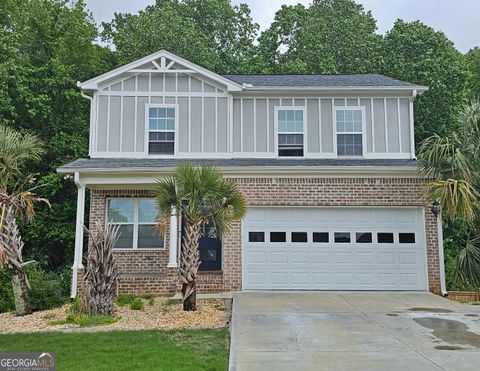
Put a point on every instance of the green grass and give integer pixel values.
(136, 304)
(128, 350)
(124, 299)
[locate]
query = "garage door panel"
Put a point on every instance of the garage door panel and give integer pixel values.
(370, 264)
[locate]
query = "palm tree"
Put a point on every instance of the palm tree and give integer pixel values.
(454, 164)
(200, 195)
(17, 198)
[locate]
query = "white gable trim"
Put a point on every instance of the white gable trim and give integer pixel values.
(93, 84)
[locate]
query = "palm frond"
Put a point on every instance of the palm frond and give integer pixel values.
(468, 263)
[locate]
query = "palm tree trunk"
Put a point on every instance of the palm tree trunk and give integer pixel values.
(20, 293)
(189, 263)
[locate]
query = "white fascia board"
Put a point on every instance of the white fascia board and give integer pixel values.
(148, 175)
(92, 84)
(420, 89)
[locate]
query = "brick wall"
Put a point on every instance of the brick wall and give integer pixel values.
(146, 272)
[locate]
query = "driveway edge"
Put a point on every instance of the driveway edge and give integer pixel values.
(232, 359)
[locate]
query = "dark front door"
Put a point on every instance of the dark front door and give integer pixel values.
(210, 247)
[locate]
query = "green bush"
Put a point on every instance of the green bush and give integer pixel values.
(47, 289)
(124, 299)
(150, 300)
(136, 304)
(83, 320)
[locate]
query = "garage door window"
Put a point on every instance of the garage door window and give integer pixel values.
(384, 237)
(364, 237)
(278, 237)
(320, 237)
(299, 237)
(342, 237)
(256, 236)
(406, 237)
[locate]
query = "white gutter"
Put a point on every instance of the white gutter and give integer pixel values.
(415, 88)
(78, 252)
(92, 110)
(412, 126)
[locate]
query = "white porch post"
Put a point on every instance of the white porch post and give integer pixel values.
(78, 254)
(172, 247)
(441, 258)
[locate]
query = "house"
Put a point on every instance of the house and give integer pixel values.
(326, 164)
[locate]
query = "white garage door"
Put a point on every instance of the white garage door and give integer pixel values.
(334, 249)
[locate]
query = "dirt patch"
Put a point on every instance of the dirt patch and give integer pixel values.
(430, 310)
(392, 315)
(163, 314)
(471, 315)
(448, 347)
(450, 331)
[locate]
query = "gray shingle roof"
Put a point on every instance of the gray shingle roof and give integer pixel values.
(155, 163)
(359, 80)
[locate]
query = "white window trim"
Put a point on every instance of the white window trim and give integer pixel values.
(364, 130)
(147, 129)
(135, 223)
(290, 108)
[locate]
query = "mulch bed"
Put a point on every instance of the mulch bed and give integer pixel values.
(164, 314)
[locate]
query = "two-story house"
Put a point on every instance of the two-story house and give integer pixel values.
(326, 164)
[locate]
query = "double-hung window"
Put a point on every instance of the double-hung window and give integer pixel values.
(161, 129)
(349, 124)
(290, 132)
(136, 219)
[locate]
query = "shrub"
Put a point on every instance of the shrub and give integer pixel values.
(136, 304)
(124, 299)
(84, 320)
(7, 303)
(150, 300)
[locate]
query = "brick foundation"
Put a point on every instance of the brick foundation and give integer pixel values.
(145, 272)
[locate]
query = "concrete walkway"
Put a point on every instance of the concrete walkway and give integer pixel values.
(353, 331)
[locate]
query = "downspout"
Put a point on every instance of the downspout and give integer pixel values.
(412, 126)
(78, 251)
(443, 286)
(92, 110)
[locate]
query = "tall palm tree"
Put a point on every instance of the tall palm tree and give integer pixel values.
(200, 195)
(454, 164)
(17, 198)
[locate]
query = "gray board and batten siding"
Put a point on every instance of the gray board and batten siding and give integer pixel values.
(213, 122)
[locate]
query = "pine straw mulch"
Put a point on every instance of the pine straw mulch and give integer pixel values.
(164, 314)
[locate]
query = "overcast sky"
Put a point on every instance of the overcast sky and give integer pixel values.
(459, 19)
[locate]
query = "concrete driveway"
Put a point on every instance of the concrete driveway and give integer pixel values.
(353, 331)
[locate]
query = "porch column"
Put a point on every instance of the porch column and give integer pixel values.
(78, 254)
(172, 247)
(441, 257)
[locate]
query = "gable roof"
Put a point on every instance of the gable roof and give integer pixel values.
(93, 83)
(370, 80)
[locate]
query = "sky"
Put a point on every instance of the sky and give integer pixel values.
(458, 19)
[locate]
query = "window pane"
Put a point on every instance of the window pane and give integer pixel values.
(256, 237)
(364, 237)
(120, 210)
(299, 237)
(384, 237)
(282, 152)
(149, 237)
(320, 237)
(299, 115)
(208, 255)
(170, 124)
(340, 115)
(147, 211)
(349, 145)
(125, 237)
(278, 237)
(290, 115)
(282, 115)
(171, 112)
(406, 237)
(162, 112)
(342, 237)
(161, 148)
(152, 112)
(153, 124)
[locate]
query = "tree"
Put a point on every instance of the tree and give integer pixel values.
(212, 33)
(102, 274)
(330, 36)
(473, 60)
(199, 195)
(418, 54)
(15, 151)
(454, 162)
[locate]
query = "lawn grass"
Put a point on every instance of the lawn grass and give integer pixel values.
(128, 350)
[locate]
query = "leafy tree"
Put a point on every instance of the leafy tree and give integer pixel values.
(200, 196)
(416, 53)
(16, 150)
(473, 60)
(330, 36)
(212, 33)
(454, 162)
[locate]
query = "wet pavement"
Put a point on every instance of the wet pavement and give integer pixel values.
(353, 331)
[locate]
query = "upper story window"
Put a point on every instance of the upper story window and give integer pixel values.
(161, 129)
(290, 131)
(349, 124)
(136, 219)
